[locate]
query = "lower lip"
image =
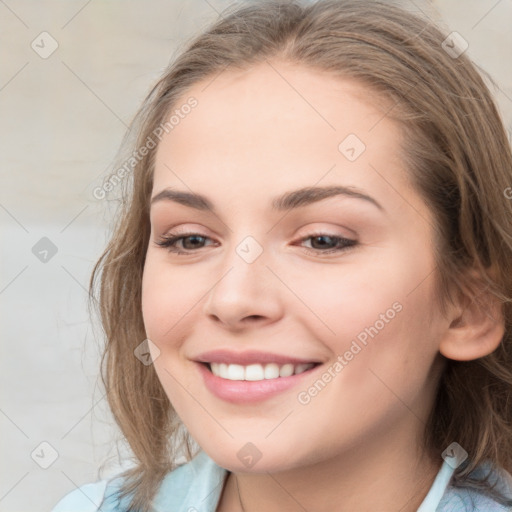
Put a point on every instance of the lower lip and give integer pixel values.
(246, 391)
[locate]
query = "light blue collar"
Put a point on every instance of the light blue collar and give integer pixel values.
(192, 487)
(197, 486)
(435, 494)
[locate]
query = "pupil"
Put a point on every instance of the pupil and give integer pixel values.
(192, 237)
(322, 237)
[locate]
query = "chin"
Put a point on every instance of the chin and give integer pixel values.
(248, 458)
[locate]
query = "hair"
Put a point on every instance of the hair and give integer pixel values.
(458, 158)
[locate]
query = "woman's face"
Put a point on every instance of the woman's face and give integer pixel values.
(264, 275)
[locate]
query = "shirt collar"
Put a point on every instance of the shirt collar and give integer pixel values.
(197, 486)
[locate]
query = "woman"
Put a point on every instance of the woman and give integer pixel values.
(315, 256)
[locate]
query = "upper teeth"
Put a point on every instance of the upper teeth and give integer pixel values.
(257, 371)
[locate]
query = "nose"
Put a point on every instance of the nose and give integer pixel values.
(245, 294)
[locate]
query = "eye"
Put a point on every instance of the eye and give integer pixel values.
(321, 243)
(195, 241)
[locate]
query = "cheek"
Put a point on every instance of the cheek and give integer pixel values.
(383, 347)
(346, 301)
(382, 312)
(167, 296)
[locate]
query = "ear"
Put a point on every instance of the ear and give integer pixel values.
(477, 324)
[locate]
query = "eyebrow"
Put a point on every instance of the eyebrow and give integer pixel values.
(287, 201)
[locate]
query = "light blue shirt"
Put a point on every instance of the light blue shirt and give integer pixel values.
(196, 486)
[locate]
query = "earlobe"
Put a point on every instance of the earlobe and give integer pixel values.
(477, 327)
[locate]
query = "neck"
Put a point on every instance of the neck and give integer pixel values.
(384, 476)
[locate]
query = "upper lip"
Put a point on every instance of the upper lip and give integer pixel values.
(248, 357)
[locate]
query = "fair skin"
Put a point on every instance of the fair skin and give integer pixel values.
(251, 138)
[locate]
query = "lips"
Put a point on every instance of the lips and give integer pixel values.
(251, 391)
(252, 376)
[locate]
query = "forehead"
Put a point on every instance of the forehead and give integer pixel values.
(277, 126)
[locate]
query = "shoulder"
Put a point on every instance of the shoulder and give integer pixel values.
(470, 499)
(194, 485)
(86, 498)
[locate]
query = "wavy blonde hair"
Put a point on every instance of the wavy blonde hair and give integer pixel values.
(456, 149)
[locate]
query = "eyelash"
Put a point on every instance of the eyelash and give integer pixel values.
(169, 241)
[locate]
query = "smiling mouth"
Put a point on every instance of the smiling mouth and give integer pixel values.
(256, 372)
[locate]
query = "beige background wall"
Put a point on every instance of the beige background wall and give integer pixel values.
(62, 117)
